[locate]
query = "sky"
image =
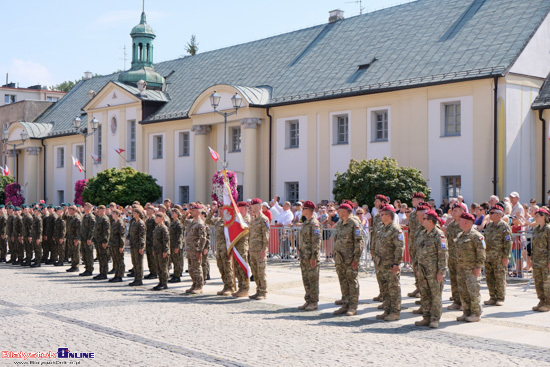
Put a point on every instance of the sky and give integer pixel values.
(58, 40)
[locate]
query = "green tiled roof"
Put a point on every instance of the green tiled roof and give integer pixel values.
(415, 44)
(542, 102)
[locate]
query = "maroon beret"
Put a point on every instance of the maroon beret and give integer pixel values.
(381, 198)
(256, 201)
(497, 207)
(468, 216)
(346, 201)
(419, 195)
(345, 206)
(423, 206)
(457, 205)
(195, 206)
(542, 211)
(387, 208)
(309, 205)
(241, 204)
(432, 213)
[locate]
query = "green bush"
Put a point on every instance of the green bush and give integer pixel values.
(4, 181)
(122, 186)
(364, 179)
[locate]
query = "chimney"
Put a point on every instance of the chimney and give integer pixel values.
(335, 15)
(87, 75)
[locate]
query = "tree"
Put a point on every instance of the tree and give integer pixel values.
(364, 179)
(4, 181)
(122, 186)
(192, 46)
(13, 194)
(66, 86)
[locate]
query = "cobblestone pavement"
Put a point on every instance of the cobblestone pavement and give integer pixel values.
(46, 308)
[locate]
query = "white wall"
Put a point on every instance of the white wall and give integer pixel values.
(157, 167)
(340, 154)
(235, 159)
(291, 163)
(184, 166)
(112, 141)
(451, 155)
(59, 177)
(131, 114)
(535, 58)
(76, 175)
(378, 149)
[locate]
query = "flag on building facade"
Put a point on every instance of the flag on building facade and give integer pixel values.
(6, 171)
(119, 150)
(95, 158)
(215, 156)
(77, 164)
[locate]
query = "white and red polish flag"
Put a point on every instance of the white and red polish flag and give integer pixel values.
(215, 156)
(6, 171)
(77, 164)
(120, 150)
(235, 227)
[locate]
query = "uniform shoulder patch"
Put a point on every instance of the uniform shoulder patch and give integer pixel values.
(443, 242)
(266, 223)
(358, 232)
(400, 236)
(483, 242)
(316, 231)
(507, 238)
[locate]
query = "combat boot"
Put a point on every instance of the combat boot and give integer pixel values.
(414, 293)
(312, 306)
(462, 318)
(434, 324)
(490, 302)
(260, 297)
(392, 317)
(474, 318)
(418, 302)
(228, 292)
(135, 283)
(303, 307)
(341, 310)
(381, 316)
(499, 302)
(338, 302)
(536, 308)
(150, 276)
(174, 280)
(241, 293)
(544, 308)
(378, 298)
(381, 306)
(160, 287)
(196, 291)
(418, 311)
(190, 289)
(454, 306)
(351, 311)
(35, 265)
(72, 269)
(423, 322)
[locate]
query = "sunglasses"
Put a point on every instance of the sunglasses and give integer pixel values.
(360, 213)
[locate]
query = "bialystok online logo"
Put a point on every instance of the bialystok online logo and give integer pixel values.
(61, 353)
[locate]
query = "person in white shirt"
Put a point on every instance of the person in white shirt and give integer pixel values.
(285, 219)
(275, 209)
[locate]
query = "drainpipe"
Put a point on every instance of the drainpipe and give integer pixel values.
(543, 156)
(270, 147)
(495, 137)
(44, 170)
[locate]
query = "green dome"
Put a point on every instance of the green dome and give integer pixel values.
(154, 80)
(142, 28)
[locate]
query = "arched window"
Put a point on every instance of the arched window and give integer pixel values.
(148, 59)
(140, 52)
(134, 55)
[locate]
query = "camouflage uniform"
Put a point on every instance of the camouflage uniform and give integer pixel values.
(453, 229)
(68, 246)
(541, 259)
(73, 230)
(470, 254)
(87, 233)
(48, 224)
(259, 242)
(348, 246)
(151, 261)
(432, 260)
(310, 245)
(389, 252)
(101, 233)
(27, 232)
(36, 235)
(415, 228)
(225, 264)
(9, 234)
(176, 242)
(376, 225)
(3, 241)
(498, 238)
(17, 235)
(161, 244)
(116, 242)
(195, 241)
(242, 246)
(58, 234)
(204, 260)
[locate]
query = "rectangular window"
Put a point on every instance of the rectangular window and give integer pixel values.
(80, 153)
(292, 191)
(380, 125)
(341, 129)
(184, 144)
(52, 99)
(98, 143)
(235, 139)
(451, 119)
(60, 157)
(452, 186)
(240, 192)
(157, 147)
(184, 194)
(293, 134)
(60, 197)
(131, 140)
(9, 98)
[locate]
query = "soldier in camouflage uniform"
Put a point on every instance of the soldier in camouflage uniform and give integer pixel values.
(150, 227)
(432, 264)
(348, 246)
(310, 248)
(3, 230)
(36, 237)
(379, 201)
(67, 219)
(470, 246)
(116, 241)
(27, 233)
(48, 222)
(498, 237)
(59, 237)
(388, 255)
(541, 259)
(9, 231)
(205, 264)
(195, 241)
(453, 229)
(259, 242)
(414, 226)
(176, 245)
(225, 265)
(17, 237)
(100, 238)
(73, 239)
(420, 210)
(87, 241)
(161, 246)
(242, 246)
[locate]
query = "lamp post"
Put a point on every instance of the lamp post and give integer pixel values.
(5, 137)
(215, 101)
(84, 132)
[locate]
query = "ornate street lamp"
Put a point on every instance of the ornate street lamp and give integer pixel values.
(215, 102)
